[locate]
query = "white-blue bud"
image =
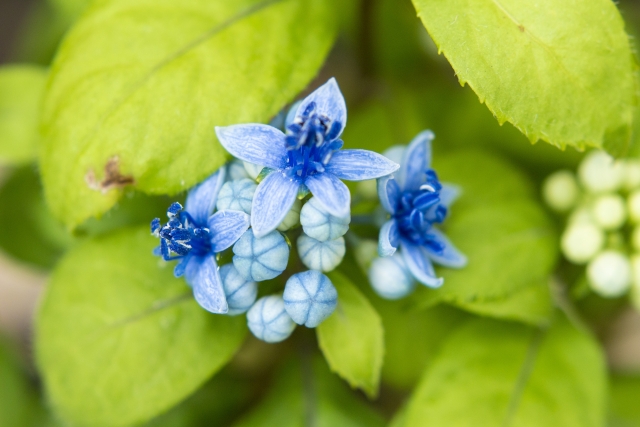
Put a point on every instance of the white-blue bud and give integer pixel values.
(292, 218)
(323, 256)
(317, 223)
(236, 170)
(260, 259)
(253, 170)
(309, 298)
(240, 292)
(390, 277)
(268, 320)
(237, 195)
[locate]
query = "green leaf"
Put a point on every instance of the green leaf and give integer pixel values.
(29, 232)
(623, 401)
(138, 86)
(525, 62)
(119, 339)
(307, 394)
(511, 375)
(494, 220)
(21, 88)
(352, 338)
(17, 400)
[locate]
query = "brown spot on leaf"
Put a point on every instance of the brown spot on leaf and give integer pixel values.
(112, 177)
(521, 28)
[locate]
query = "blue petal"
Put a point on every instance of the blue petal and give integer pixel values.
(291, 115)
(202, 274)
(395, 153)
(272, 201)
(226, 228)
(450, 257)
(202, 198)
(420, 265)
(415, 162)
(388, 241)
(181, 266)
(449, 194)
(359, 165)
(255, 143)
(332, 194)
(329, 102)
(389, 193)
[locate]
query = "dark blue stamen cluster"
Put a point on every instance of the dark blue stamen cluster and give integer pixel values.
(181, 235)
(419, 210)
(311, 141)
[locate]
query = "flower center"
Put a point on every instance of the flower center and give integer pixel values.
(311, 141)
(418, 210)
(181, 236)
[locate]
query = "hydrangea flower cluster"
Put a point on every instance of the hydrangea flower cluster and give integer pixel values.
(602, 204)
(287, 185)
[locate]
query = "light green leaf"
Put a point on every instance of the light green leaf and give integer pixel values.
(525, 61)
(70, 9)
(21, 88)
(511, 375)
(307, 394)
(17, 401)
(138, 86)
(119, 339)
(352, 338)
(623, 401)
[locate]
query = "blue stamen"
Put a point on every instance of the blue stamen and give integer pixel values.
(181, 235)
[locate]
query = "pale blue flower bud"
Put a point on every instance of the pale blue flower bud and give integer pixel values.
(237, 195)
(252, 169)
(309, 298)
(322, 256)
(240, 293)
(236, 170)
(293, 217)
(390, 277)
(317, 223)
(268, 320)
(261, 259)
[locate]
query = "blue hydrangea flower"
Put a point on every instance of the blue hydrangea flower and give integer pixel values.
(268, 320)
(194, 237)
(309, 298)
(319, 224)
(240, 292)
(261, 258)
(322, 256)
(417, 200)
(308, 156)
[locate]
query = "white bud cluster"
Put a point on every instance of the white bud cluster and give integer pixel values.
(603, 228)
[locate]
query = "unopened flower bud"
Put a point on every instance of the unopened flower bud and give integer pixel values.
(237, 196)
(292, 218)
(317, 223)
(268, 320)
(236, 170)
(560, 191)
(260, 259)
(600, 173)
(240, 292)
(609, 274)
(253, 170)
(322, 256)
(581, 241)
(309, 298)
(390, 277)
(609, 211)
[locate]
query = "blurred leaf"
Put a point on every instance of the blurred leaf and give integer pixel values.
(21, 88)
(119, 339)
(143, 113)
(352, 338)
(70, 8)
(17, 400)
(508, 374)
(307, 394)
(526, 64)
(29, 233)
(623, 401)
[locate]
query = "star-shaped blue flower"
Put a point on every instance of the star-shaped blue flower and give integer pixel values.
(417, 200)
(308, 155)
(194, 237)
